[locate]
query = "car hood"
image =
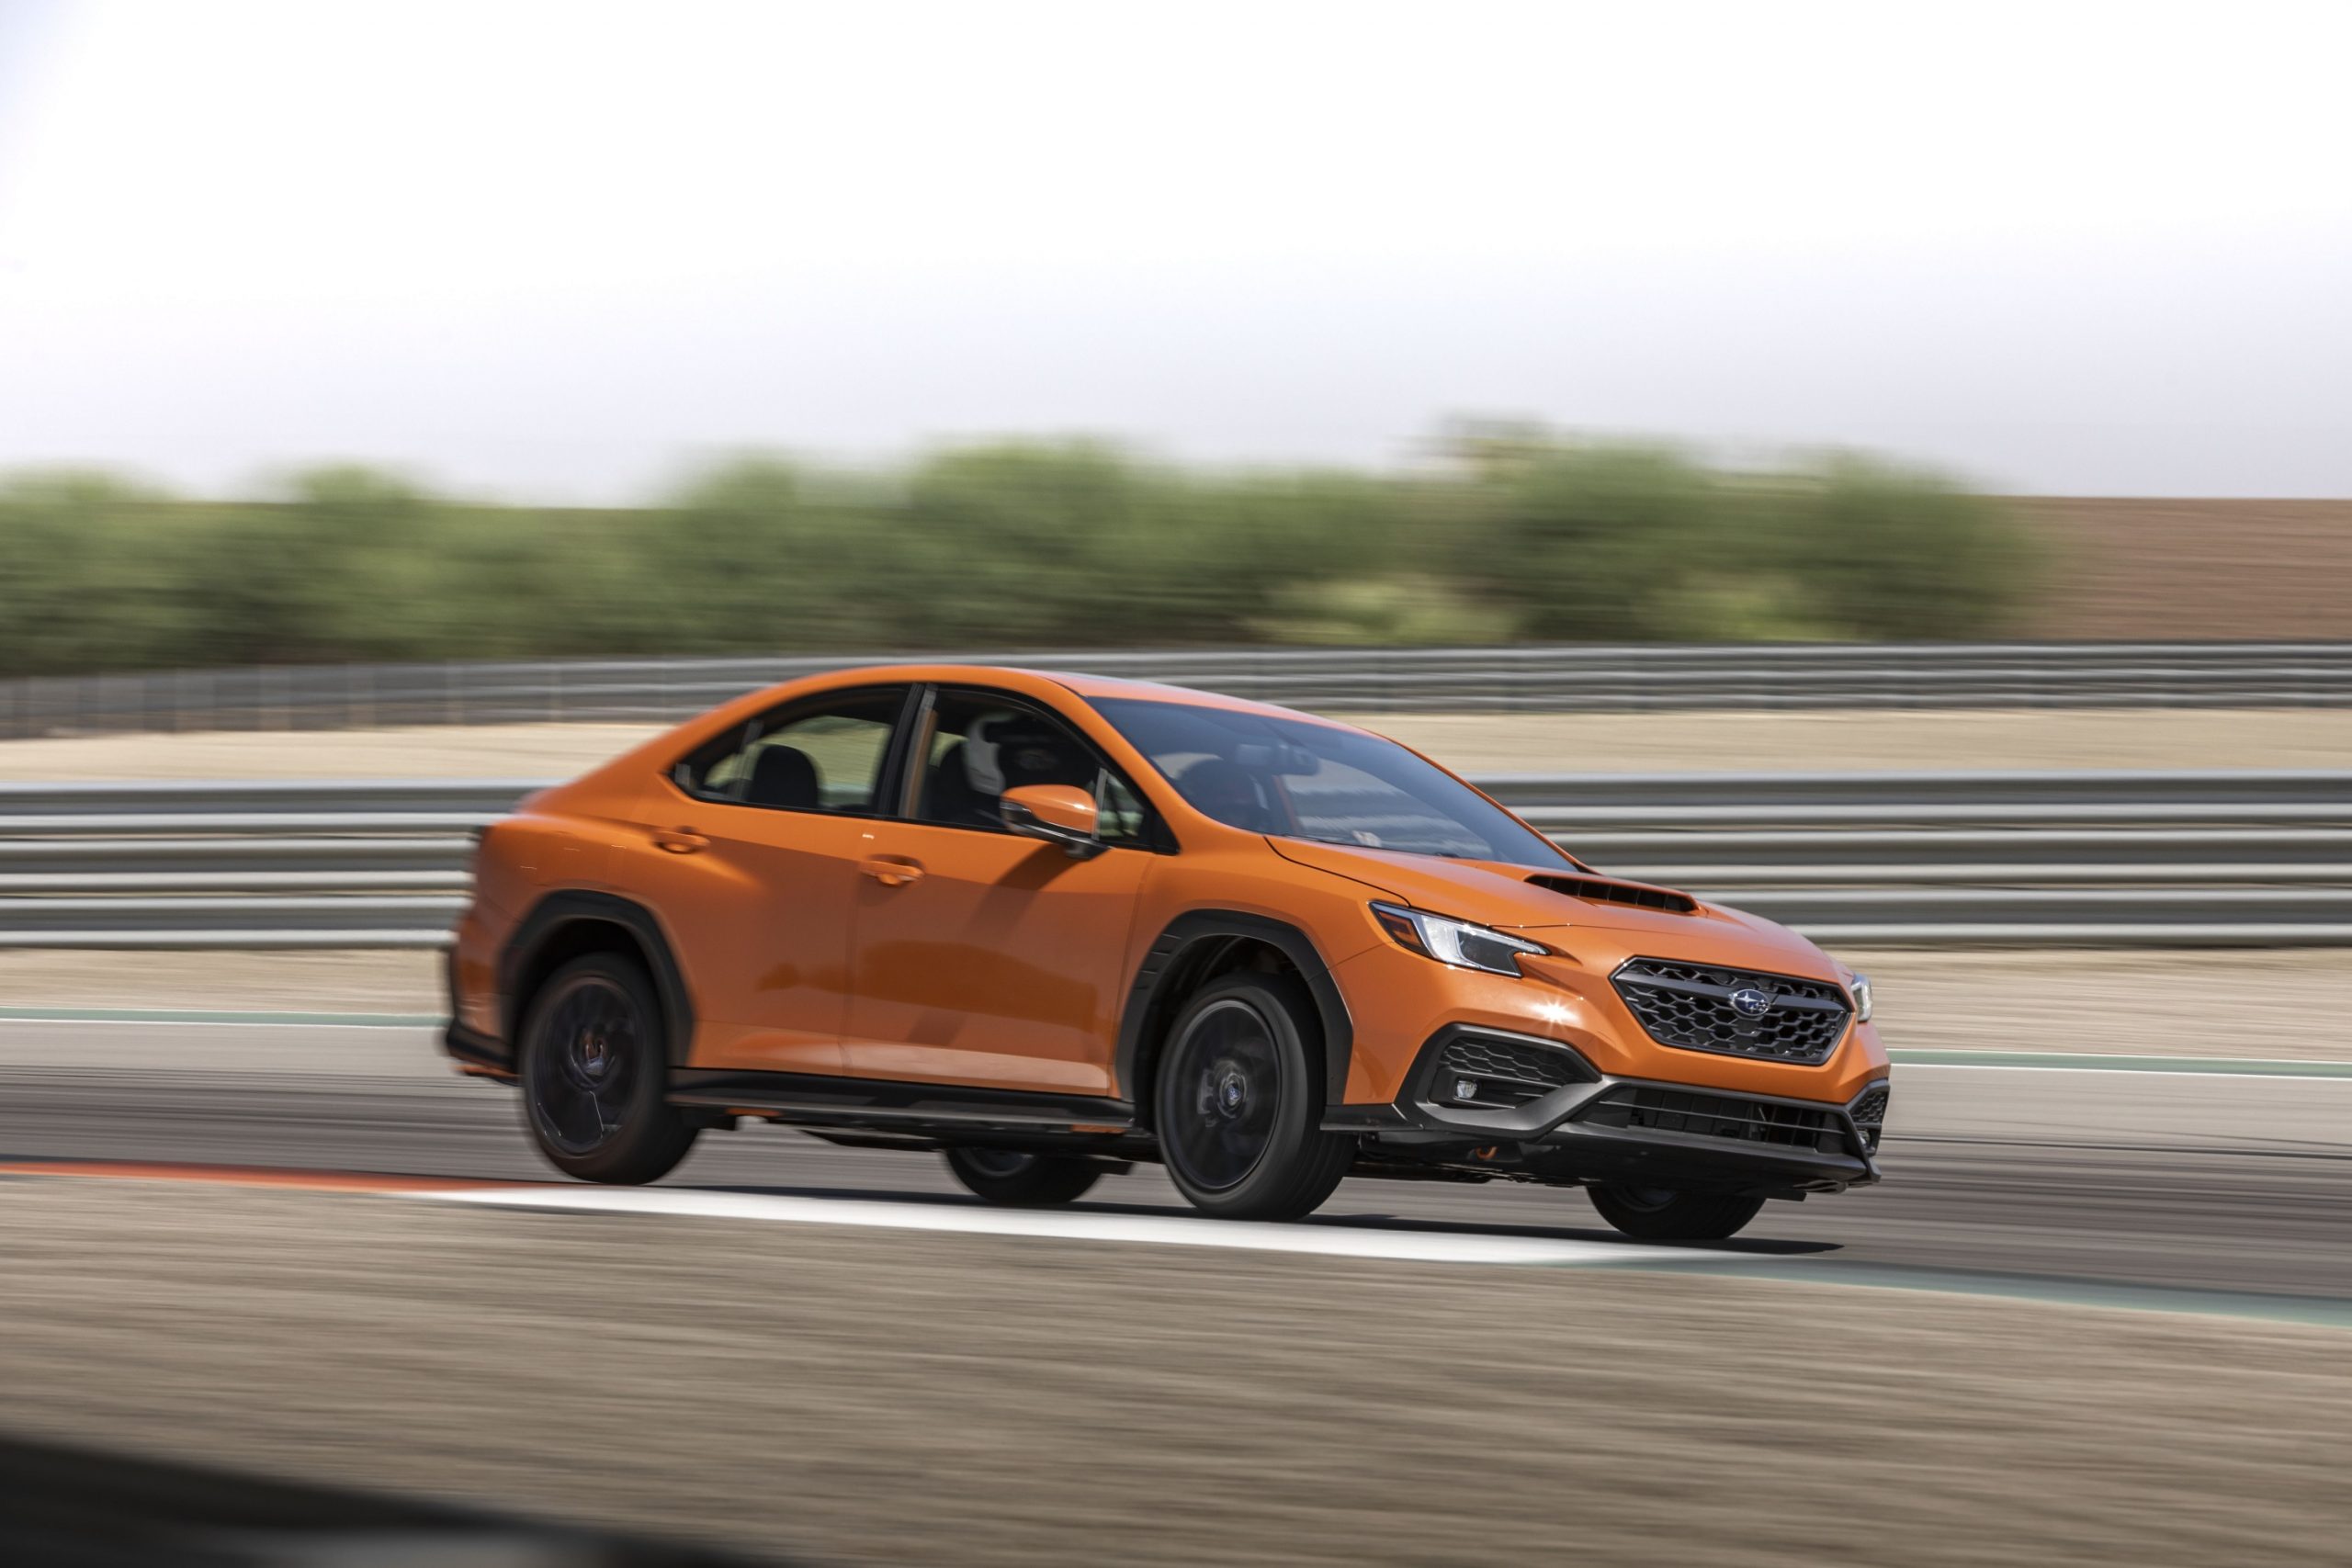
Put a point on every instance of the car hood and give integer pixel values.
(1497, 894)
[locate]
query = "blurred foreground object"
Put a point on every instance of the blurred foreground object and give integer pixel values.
(71, 1507)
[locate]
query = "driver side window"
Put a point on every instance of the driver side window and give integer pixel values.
(981, 745)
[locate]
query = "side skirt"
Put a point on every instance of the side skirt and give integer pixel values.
(936, 1114)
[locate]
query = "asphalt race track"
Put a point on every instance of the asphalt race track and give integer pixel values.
(2114, 1334)
(2203, 1181)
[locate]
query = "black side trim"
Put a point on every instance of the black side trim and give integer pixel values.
(546, 923)
(477, 1049)
(1192, 938)
(822, 1100)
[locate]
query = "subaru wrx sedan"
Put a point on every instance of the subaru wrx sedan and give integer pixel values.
(1051, 926)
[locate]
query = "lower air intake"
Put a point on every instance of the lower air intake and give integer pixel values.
(1731, 1116)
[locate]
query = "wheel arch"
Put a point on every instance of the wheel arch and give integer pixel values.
(566, 925)
(1198, 946)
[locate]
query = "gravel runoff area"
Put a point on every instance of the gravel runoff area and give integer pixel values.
(1831, 740)
(867, 1397)
(2283, 1004)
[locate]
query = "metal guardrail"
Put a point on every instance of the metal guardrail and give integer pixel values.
(1558, 679)
(2107, 859)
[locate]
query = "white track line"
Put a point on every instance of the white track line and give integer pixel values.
(1170, 1230)
(1905, 1069)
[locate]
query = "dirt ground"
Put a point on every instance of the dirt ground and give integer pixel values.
(864, 1396)
(2153, 569)
(2283, 1005)
(1833, 741)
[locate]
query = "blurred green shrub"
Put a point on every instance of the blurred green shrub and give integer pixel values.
(1515, 534)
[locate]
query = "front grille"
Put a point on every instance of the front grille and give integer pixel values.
(1717, 1116)
(1505, 1072)
(1691, 1006)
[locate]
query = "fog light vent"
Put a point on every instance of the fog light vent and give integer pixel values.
(1502, 1073)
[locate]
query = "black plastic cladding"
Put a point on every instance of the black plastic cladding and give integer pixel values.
(1168, 956)
(1687, 1006)
(555, 911)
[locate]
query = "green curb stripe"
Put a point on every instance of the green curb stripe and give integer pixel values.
(2251, 1067)
(199, 1015)
(2324, 1312)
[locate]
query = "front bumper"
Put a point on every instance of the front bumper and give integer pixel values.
(1605, 1128)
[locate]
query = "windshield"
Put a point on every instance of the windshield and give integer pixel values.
(1311, 781)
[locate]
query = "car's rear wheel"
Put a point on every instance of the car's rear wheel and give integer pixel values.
(1657, 1213)
(595, 1071)
(1023, 1181)
(1238, 1102)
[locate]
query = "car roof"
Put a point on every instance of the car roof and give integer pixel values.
(1089, 687)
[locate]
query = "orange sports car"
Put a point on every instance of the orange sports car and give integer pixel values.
(1050, 925)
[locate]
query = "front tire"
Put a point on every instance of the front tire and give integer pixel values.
(1023, 1181)
(595, 1070)
(1238, 1102)
(1663, 1214)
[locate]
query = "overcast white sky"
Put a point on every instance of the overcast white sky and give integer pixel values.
(559, 249)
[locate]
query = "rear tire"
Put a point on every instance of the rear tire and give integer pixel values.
(595, 1070)
(1658, 1214)
(1023, 1181)
(1238, 1102)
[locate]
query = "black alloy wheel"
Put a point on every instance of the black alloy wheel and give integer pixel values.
(1239, 1101)
(595, 1071)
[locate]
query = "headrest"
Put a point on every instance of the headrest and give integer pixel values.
(784, 775)
(1006, 749)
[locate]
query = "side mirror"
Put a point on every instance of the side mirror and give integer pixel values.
(1059, 814)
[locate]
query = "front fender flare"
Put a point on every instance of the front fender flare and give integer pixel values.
(546, 923)
(1158, 987)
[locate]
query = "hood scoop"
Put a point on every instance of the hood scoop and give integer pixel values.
(1604, 890)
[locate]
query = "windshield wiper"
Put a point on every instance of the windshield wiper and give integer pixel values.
(1392, 849)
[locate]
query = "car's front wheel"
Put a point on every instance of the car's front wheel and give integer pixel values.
(1656, 1213)
(1238, 1106)
(1023, 1181)
(594, 1072)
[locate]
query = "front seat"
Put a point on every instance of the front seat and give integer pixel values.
(1228, 792)
(1006, 750)
(786, 775)
(948, 794)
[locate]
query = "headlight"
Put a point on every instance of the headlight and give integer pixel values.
(1860, 985)
(1457, 942)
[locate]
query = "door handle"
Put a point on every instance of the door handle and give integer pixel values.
(680, 841)
(891, 871)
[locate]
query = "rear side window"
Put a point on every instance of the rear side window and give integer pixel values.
(825, 754)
